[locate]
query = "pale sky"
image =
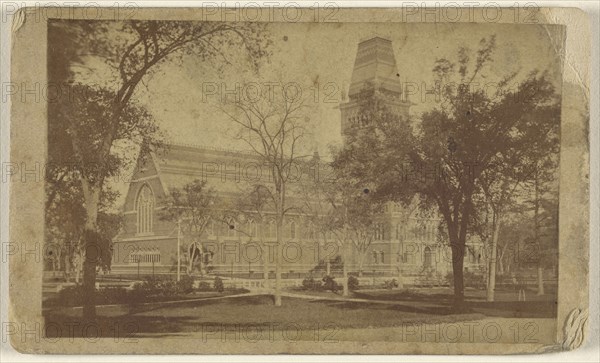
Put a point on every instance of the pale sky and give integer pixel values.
(319, 57)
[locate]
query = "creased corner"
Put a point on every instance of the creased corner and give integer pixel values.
(574, 329)
(18, 20)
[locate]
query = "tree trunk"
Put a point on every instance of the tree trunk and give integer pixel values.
(400, 278)
(540, 280)
(536, 216)
(345, 291)
(460, 233)
(67, 268)
(508, 268)
(361, 261)
(493, 258)
(91, 195)
(457, 271)
(277, 283)
(457, 235)
(277, 297)
(266, 270)
(501, 269)
(191, 264)
(262, 235)
(78, 269)
(200, 264)
(89, 289)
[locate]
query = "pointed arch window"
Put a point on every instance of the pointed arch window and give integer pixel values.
(145, 210)
(292, 229)
(311, 230)
(428, 263)
(271, 229)
(252, 228)
(379, 232)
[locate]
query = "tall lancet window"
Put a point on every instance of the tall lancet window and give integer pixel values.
(145, 209)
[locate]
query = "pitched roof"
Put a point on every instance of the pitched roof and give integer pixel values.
(223, 169)
(229, 172)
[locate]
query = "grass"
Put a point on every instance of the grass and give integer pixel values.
(248, 311)
(127, 297)
(419, 306)
(436, 300)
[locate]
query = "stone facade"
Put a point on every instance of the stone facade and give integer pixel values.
(407, 242)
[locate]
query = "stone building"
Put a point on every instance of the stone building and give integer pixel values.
(406, 241)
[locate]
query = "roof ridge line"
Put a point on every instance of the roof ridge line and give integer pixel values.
(211, 148)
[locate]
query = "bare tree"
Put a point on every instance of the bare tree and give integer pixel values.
(255, 200)
(273, 128)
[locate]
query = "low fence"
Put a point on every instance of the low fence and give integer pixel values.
(257, 280)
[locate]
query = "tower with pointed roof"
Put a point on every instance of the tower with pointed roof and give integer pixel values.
(374, 69)
(405, 242)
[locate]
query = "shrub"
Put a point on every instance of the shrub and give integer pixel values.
(330, 284)
(167, 288)
(470, 279)
(335, 265)
(73, 296)
(138, 292)
(111, 295)
(151, 285)
(186, 284)
(390, 284)
(219, 284)
(352, 283)
(70, 296)
(204, 286)
(309, 283)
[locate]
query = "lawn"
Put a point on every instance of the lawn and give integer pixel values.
(319, 313)
(250, 311)
(439, 300)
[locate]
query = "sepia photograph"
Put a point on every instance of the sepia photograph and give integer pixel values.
(313, 183)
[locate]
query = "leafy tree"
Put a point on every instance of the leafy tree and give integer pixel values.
(88, 127)
(338, 205)
(193, 207)
(543, 202)
(65, 217)
(513, 232)
(469, 134)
